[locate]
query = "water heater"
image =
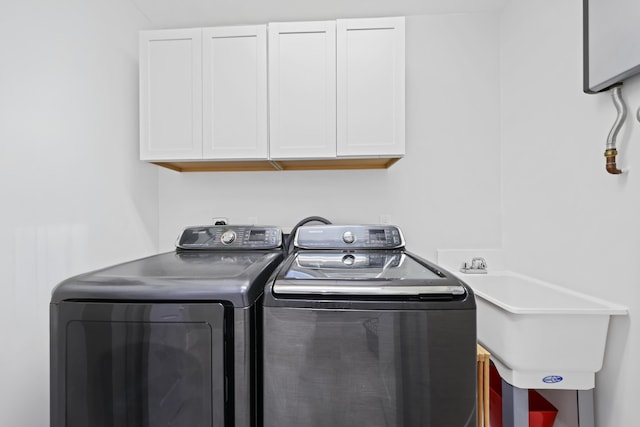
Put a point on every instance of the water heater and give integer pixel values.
(611, 40)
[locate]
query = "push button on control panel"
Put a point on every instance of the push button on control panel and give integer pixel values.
(348, 237)
(348, 260)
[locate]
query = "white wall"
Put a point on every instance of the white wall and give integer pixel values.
(444, 193)
(565, 219)
(73, 197)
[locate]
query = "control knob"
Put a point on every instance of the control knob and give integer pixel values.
(348, 237)
(228, 237)
(348, 260)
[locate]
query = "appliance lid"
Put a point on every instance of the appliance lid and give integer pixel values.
(236, 277)
(372, 273)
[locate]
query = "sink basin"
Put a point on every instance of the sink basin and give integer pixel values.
(541, 335)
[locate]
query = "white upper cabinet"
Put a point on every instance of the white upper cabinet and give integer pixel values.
(370, 87)
(203, 94)
(289, 95)
(302, 90)
(234, 63)
(170, 94)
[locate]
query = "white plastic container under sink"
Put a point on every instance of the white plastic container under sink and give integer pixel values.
(541, 335)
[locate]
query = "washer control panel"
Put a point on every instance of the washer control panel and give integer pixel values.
(225, 237)
(349, 237)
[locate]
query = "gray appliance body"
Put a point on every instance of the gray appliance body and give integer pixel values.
(366, 335)
(165, 340)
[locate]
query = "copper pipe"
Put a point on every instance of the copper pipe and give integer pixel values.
(611, 161)
(611, 151)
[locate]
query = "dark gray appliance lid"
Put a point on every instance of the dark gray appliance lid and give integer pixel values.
(237, 277)
(357, 265)
(369, 273)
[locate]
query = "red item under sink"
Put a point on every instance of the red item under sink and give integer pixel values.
(541, 412)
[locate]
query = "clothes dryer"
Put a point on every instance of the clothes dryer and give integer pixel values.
(168, 340)
(357, 331)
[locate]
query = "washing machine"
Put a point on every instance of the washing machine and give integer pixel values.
(168, 340)
(357, 331)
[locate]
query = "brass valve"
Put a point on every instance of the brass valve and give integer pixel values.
(610, 155)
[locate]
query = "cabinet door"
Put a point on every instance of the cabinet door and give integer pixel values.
(302, 90)
(171, 94)
(370, 87)
(235, 92)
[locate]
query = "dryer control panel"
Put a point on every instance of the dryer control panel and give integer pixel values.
(230, 237)
(349, 237)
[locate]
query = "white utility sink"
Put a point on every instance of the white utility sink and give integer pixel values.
(541, 335)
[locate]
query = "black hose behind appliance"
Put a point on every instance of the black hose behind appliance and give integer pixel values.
(288, 242)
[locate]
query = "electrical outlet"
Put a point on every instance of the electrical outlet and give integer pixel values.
(220, 220)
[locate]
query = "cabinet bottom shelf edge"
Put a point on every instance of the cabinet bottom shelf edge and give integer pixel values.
(278, 165)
